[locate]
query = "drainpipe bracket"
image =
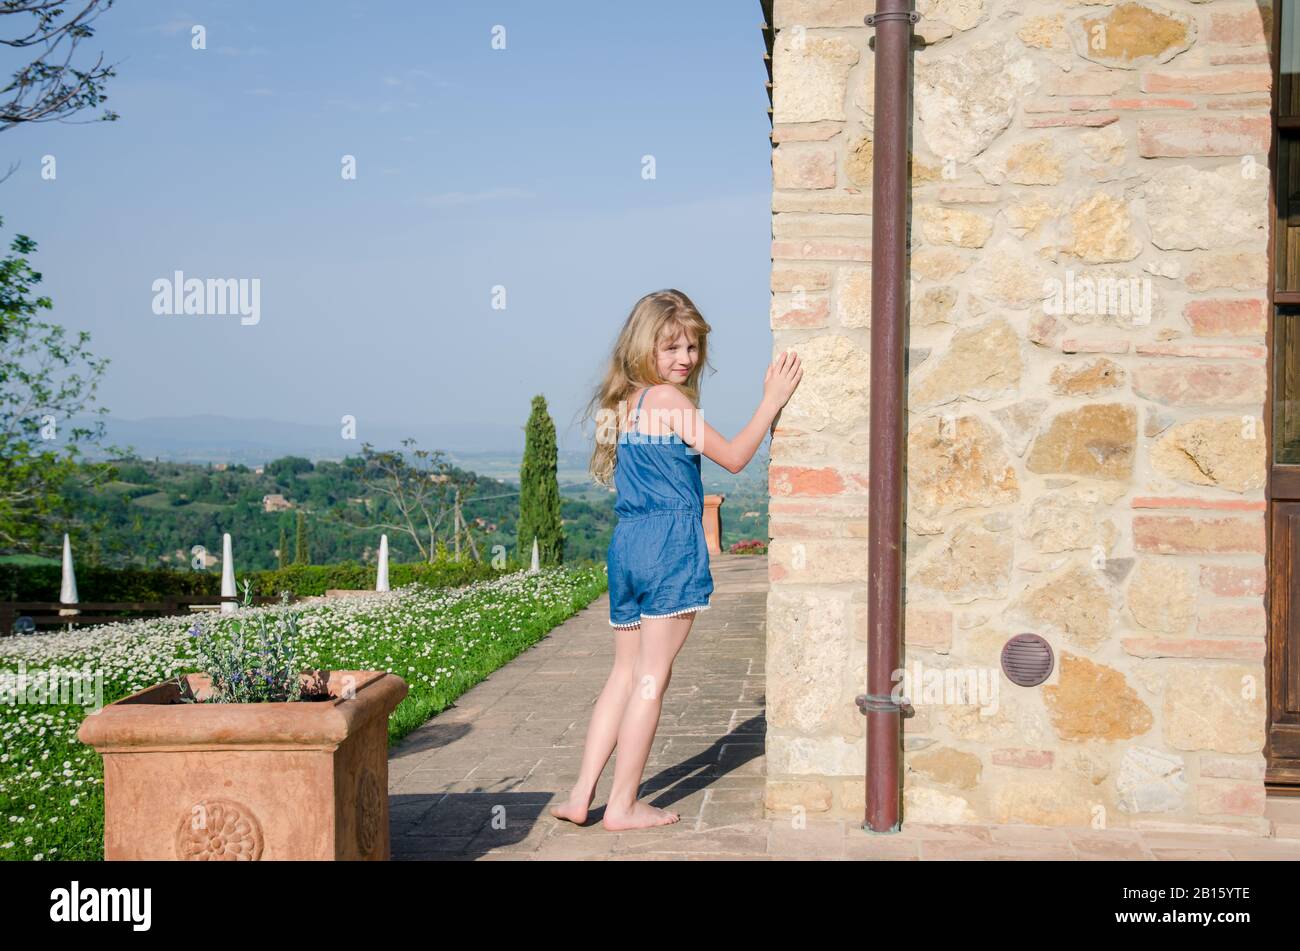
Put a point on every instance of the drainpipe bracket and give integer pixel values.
(892, 830)
(883, 703)
(873, 18)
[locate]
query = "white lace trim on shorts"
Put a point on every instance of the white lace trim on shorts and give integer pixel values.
(632, 624)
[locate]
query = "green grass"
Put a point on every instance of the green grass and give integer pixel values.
(118, 487)
(155, 500)
(28, 560)
(441, 641)
(208, 507)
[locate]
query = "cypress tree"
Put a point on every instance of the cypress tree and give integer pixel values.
(300, 556)
(539, 491)
(282, 551)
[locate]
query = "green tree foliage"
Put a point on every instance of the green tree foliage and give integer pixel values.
(47, 377)
(539, 490)
(285, 469)
(282, 549)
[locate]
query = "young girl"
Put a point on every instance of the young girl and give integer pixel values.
(658, 561)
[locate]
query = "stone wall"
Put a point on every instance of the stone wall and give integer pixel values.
(1086, 448)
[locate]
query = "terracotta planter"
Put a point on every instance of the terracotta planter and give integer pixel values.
(248, 781)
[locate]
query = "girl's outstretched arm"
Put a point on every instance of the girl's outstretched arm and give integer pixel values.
(783, 376)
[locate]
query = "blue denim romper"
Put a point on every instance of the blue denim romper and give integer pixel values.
(658, 560)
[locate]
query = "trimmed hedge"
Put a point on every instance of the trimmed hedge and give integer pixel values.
(41, 582)
(94, 583)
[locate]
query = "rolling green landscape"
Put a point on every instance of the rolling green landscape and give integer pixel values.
(151, 514)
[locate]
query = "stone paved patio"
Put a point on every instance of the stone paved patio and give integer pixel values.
(474, 782)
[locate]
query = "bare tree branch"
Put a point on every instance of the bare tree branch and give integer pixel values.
(48, 89)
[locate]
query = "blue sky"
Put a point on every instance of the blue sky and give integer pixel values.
(475, 167)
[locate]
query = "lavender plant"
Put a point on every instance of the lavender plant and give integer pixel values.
(255, 662)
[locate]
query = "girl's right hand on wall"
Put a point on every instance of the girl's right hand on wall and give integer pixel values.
(782, 378)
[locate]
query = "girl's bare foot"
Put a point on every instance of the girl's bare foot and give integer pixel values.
(642, 815)
(574, 810)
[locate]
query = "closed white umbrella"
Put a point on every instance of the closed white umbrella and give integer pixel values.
(535, 560)
(227, 575)
(68, 589)
(381, 578)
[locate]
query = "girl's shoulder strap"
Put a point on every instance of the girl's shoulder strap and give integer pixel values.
(642, 399)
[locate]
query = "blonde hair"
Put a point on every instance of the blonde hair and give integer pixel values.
(656, 318)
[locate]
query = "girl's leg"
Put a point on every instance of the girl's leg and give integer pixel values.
(661, 639)
(602, 732)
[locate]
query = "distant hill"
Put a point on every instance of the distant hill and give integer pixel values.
(492, 450)
(253, 442)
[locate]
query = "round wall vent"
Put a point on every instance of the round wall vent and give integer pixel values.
(1027, 660)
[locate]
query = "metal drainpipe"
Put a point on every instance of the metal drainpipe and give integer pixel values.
(893, 23)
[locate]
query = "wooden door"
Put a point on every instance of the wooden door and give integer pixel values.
(1282, 747)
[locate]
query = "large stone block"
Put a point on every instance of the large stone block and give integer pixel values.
(1097, 440)
(1217, 707)
(1045, 799)
(1087, 379)
(974, 564)
(956, 463)
(803, 166)
(1226, 452)
(1151, 780)
(955, 226)
(814, 756)
(832, 396)
(809, 74)
(1102, 230)
(1067, 521)
(1020, 422)
(981, 363)
(966, 100)
(924, 805)
(958, 14)
(1160, 596)
(1077, 603)
(947, 767)
(1190, 208)
(1132, 35)
(1033, 162)
(1094, 702)
(1004, 272)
